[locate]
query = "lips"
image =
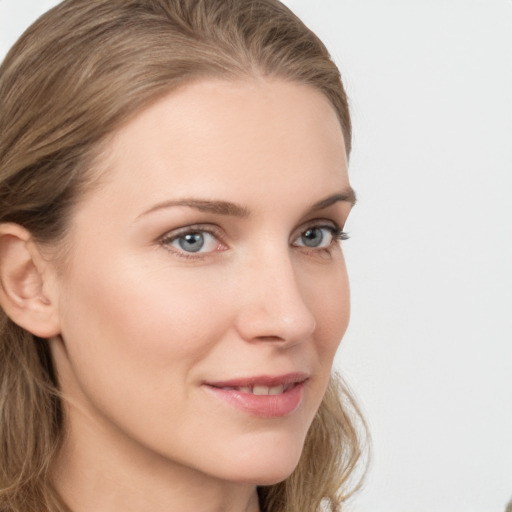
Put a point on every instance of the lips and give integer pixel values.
(262, 384)
(264, 396)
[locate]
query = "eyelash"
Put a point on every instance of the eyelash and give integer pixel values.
(168, 238)
(336, 232)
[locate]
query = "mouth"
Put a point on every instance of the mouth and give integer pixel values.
(260, 390)
(263, 396)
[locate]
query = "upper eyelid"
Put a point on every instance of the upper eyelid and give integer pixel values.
(322, 222)
(216, 230)
(210, 227)
(177, 232)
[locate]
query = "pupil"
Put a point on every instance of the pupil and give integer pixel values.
(312, 237)
(192, 242)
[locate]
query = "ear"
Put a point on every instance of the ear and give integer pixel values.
(25, 287)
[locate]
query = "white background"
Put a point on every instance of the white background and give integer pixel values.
(429, 349)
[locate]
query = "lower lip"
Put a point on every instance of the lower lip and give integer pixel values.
(265, 406)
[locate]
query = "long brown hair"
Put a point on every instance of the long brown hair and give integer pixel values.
(75, 76)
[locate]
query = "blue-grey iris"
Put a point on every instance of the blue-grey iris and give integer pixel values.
(192, 242)
(312, 237)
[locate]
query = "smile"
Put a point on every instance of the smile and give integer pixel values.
(266, 397)
(261, 390)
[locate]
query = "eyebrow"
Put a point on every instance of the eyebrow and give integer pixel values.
(204, 205)
(347, 196)
(236, 210)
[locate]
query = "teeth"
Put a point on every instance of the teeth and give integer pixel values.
(260, 390)
(276, 390)
(265, 390)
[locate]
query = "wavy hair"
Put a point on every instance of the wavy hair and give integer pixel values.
(77, 74)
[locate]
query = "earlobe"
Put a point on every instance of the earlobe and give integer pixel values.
(23, 283)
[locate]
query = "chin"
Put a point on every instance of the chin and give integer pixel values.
(264, 462)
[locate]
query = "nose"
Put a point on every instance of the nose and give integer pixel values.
(272, 304)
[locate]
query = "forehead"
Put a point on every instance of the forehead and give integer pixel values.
(221, 137)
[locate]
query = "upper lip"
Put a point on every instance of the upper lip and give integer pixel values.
(261, 380)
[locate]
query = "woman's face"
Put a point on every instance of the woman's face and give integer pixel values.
(206, 291)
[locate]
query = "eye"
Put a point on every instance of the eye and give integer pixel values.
(192, 241)
(319, 237)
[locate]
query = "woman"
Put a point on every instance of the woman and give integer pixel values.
(173, 191)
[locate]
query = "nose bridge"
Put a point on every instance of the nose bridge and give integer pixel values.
(274, 307)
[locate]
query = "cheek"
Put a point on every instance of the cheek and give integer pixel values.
(129, 328)
(134, 340)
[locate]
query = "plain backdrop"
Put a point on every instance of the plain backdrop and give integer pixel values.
(429, 348)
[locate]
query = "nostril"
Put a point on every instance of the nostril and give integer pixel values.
(274, 308)
(273, 326)
(270, 338)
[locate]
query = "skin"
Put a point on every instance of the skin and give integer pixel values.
(143, 324)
